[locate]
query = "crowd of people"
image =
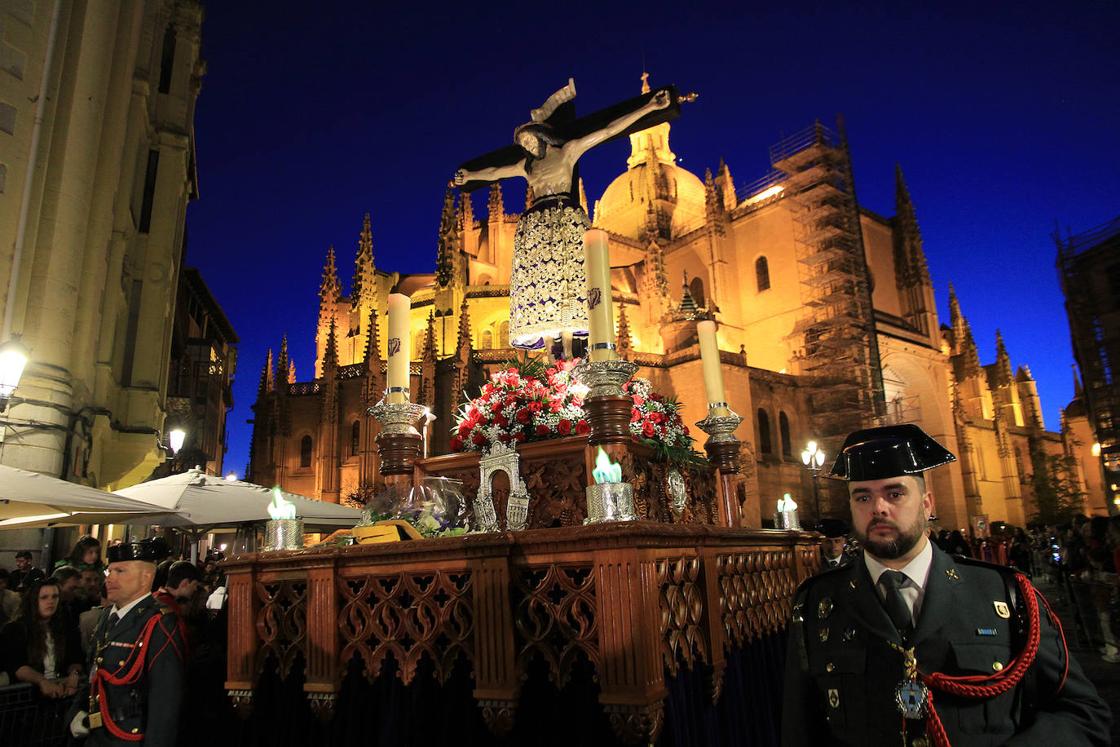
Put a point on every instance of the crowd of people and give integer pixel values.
(49, 625)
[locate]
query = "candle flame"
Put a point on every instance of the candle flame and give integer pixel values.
(786, 503)
(606, 470)
(280, 508)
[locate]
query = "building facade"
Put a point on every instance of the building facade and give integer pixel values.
(827, 323)
(1089, 270)
(96, 169)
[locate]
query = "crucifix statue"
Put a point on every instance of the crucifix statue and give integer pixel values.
(547, 286)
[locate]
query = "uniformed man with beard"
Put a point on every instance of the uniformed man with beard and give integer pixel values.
(911, 646)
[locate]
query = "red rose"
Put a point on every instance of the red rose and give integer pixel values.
(542, 430)
(479, 439)
(639, 400)
(647, 429)
(501, 421)
(456, 443)
(635, 416)
(520, 436)
(582, 428)
(524, 416)
(535, 407)
(496, 407)
(564, 427)
(464, 428)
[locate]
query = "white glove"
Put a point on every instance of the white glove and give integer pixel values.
(78, 725)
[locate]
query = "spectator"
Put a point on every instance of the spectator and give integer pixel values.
(73, 602)
(958, 545)
(37, 648)
(87, 621)
(86, 554)
(1020, 553)
(89, 583)
(25, 573)
(9, 600)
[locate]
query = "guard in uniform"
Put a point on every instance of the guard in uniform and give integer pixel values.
(834, 544)
(911, 646)
(136, 668)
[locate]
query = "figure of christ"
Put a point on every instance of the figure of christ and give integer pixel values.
(547, 285)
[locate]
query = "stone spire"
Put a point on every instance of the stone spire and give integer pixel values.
(330, 355)
(447, 247)
(1003, 362)
(624, 341)
(363, 287)
(688, 308)
(908, 241)
(373, 347)
(429, 351)
(466, 212)
(645, 82)
(282, 360)
(713, 200)
(726, 186)
(964, 346)
(495, 205)
(330, 287)
(463, 342)
(266, 382)
(292, 371)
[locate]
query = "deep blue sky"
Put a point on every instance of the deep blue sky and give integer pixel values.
(1004, 121)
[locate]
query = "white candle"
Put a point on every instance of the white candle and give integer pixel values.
(709, 362)
(599, 304)
(400, 347)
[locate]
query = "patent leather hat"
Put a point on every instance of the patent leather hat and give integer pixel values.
(890, 451)
(151, 550)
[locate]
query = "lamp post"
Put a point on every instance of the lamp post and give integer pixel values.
(13, 358)
(813, 459)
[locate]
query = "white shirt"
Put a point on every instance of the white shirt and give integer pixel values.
(122, 611)
(917, 574)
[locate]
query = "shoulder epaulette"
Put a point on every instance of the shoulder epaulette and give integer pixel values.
(962, 560)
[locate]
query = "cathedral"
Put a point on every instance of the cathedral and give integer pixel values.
(827, 323)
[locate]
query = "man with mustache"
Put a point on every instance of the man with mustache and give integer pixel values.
(911, 646)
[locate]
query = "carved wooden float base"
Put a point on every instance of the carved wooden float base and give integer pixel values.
(639, 601)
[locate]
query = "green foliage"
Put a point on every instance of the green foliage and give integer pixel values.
(1057, 493)
(678, 456)
(529, 366)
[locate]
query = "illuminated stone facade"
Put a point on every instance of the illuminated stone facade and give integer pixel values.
(827, 323)
(102, 116)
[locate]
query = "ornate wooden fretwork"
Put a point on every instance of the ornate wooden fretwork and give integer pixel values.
(555, 618)
(282, 623)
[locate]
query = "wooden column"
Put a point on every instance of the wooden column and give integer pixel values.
(242, 640)
(497, 685)
(632, 684)
(323, 674)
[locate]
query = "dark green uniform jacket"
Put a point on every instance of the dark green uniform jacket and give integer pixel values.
(842, 673)
(151, 705)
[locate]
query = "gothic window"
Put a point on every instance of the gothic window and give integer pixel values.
(783, 430)
(696, 290)
(764, 444)
(355, 437)
(762, 274)
(167, 60)
(305, 451)
(487, 340)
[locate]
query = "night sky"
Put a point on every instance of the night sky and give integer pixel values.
(1004, 121)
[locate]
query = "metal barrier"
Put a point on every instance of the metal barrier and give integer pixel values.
(29, 720)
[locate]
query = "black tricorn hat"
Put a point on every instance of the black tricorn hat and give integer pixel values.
(890, 451)
(148, 550)
(833, 528)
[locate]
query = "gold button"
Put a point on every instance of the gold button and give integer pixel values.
(829, 667)
(997, 666)
(136, 731)
(120, 663)
(920, 742)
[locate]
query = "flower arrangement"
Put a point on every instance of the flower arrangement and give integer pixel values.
(529, 402)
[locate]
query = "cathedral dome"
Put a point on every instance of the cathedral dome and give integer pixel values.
(652, 182)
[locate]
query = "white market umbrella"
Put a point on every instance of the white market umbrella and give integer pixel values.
(30, 499)
(201, 501)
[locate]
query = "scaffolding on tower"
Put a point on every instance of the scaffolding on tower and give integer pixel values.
(836, 343)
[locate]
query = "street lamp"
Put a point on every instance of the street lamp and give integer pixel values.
(813, 459)
(13, 358)
(175, 439)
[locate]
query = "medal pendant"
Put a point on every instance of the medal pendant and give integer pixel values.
(911, 697)
(95, 720)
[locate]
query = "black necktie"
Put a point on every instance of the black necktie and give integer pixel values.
(113, 619)
(892, 582)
